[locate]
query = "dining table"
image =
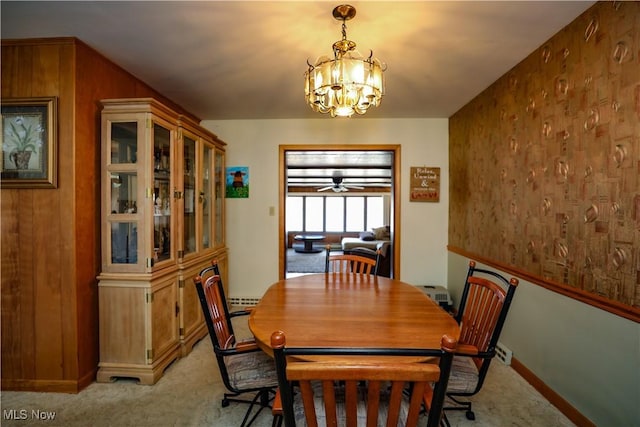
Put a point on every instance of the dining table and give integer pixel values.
(349, 310)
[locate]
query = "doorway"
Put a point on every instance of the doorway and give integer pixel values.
(328, 171)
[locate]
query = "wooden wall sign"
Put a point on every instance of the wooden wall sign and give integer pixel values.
(424, 184)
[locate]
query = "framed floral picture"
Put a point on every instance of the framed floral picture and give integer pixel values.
(29, 143)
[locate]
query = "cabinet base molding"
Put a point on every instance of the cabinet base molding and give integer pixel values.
(145, 374)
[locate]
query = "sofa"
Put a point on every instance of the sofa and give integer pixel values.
(384, 262)
(368, 243)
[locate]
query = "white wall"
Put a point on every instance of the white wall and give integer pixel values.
(587, 355)
(252, 235)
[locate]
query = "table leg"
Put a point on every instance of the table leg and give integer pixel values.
(308, 245)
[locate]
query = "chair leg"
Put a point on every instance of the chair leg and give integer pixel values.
(444, 421)
(265, 400)
(262, 399)
(463, 406)
(277, 421)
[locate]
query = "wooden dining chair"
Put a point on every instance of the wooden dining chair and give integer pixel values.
(214, 269)
(346, 385)
(245, 369)
(350, 263)
(484, 305)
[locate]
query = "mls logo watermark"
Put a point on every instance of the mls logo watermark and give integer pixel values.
(25, 414)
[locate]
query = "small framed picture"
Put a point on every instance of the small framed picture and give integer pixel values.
(29, 143)
(237, 182)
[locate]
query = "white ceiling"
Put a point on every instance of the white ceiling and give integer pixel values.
(246, 59)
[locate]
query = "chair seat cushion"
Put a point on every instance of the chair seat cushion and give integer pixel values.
(464, 375)
(252, 369)
(321, 416)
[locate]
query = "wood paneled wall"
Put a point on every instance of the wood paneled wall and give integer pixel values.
(50, 244)
(545, 164)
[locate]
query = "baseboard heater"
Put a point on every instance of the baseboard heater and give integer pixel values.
(439, 294)
(503, 354)
(244, 301)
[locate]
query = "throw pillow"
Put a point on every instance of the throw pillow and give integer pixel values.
(367, 236)
(382, 233)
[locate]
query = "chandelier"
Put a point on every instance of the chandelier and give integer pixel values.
(347, 83)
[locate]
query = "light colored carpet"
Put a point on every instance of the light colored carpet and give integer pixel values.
(190, 391)
(305, 262)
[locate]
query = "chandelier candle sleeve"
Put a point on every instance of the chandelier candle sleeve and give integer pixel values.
(349, 83)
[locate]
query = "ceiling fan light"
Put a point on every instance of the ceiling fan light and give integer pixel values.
(348, 83)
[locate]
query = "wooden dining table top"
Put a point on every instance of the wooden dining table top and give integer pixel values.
(349, 310)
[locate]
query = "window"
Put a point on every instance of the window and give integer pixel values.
(331, 213)
(313, 217)
(295, 214)
(355, 214)
(375, 212)
(334, 214)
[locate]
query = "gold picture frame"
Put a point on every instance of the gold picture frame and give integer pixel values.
(29, 143)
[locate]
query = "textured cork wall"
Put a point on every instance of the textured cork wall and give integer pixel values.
(545, 163)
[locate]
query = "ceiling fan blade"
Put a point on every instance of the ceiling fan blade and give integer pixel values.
(326, 188)
(355, 187)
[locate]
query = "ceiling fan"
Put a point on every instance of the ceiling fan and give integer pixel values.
(338, 186)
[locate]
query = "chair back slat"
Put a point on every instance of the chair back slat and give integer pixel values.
(373, 403)
(417, 395)
(330, 405)
(307, 401)
(395, 400)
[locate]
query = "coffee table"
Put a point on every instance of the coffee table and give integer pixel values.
(308, 243)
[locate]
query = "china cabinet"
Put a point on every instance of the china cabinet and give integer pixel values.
(162, 222)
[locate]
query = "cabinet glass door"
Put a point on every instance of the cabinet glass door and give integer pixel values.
(124, 142)
(219, 199)
(122, 193)
(124, 204)
(206, 196)
(189, 195)
(162, 194)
